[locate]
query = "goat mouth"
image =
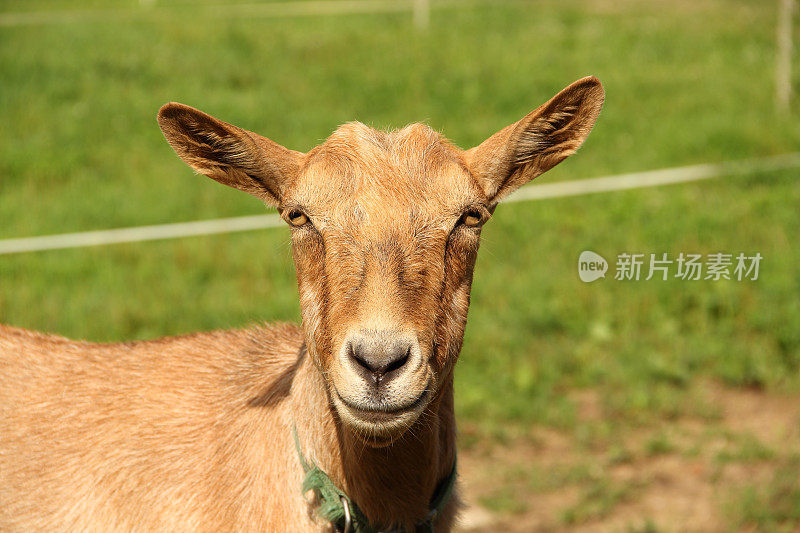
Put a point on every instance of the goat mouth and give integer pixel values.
(380, 424)
(385, 412)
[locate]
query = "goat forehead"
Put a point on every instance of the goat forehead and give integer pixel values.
(407, 173)
(401, 236)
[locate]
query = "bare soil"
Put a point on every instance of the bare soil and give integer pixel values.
(681, 475)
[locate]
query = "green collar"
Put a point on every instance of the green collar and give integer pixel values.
(338, 509)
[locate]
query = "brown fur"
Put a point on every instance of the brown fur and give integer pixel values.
(195, 432)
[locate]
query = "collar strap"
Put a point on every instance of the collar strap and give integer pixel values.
(338, 509)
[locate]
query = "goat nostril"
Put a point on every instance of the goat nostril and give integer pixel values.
(398, 363)
(359, 359)
(362, 363)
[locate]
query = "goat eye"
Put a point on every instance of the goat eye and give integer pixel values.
(471, 218)
(297, 218)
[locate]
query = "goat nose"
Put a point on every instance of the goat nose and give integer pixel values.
(379, 357)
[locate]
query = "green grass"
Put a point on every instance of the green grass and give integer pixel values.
(687, 82)
(597, 499)
(661, 332)
(773, 506)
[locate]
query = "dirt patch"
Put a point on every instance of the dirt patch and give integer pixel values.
(772, 418)
(680, 475)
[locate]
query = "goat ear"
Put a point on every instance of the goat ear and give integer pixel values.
(230, 155)
(518, 153)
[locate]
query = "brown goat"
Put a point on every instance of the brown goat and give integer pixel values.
(196, 433)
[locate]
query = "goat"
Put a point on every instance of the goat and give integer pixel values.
(343, 423)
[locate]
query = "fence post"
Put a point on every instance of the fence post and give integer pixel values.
(783, 66)
(422, 14)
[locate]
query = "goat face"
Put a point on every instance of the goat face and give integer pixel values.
(385, 231)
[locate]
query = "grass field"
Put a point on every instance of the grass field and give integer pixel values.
(579, 404)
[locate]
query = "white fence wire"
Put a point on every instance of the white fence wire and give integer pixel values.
(635, 180)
